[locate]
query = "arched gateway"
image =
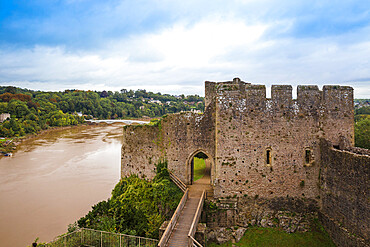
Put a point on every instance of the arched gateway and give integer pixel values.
(192, 170)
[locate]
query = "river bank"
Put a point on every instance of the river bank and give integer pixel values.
(8, 146)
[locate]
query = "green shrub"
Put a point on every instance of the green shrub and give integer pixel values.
(137, 206)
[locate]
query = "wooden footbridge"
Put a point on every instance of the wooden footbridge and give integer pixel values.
(182, 226)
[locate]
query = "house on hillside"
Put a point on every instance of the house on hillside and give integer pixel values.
(4, 116)
(155, 102)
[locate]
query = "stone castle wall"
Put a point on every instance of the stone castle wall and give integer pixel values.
(140, 152)
(248, 126)
(177, 137)
(345, 208)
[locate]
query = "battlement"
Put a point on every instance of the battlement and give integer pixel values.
(331, 97)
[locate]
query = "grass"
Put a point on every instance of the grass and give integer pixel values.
(199, 166)
(8, 148)
(275, 237)
(4, 139)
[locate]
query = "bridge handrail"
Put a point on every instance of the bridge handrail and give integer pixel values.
(171, 225)
(195, 242)
(177, 181)
(195, 222)
(84, 236)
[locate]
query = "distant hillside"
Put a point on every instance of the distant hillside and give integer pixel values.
(359, 103)
(32, 110)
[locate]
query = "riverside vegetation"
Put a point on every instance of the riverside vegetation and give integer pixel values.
(137, 206)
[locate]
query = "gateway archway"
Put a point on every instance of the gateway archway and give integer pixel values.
(199, 167)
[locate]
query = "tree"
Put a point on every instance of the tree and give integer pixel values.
(104, 94)
(3, 107)
(137, 206)
(11, 90)
(17, 108)
(363, 110)
(362, 132)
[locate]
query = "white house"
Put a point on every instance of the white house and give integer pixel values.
(4, 116)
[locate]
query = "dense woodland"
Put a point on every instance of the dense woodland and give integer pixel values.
(32, 111)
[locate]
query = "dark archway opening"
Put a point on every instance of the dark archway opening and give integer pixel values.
(200, 168)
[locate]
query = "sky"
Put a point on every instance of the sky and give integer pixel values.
(172, 46)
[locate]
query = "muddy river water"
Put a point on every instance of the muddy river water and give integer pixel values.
(54, 179)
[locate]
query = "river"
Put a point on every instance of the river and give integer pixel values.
(54, 179)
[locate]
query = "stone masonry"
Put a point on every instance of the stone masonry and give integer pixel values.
(260, 148)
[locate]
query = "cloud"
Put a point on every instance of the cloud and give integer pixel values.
(178, 55)
(196, 45)
(174, 46)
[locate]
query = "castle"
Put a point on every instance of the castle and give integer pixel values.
(273, 151)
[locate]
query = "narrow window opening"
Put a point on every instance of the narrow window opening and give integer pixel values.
(307, 156)
(268, 157)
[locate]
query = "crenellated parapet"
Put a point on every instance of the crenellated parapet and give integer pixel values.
(331, 99)
(281, 97)
(329, 107)
(337, 98)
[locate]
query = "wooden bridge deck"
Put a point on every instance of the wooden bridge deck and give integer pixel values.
(179, 236)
